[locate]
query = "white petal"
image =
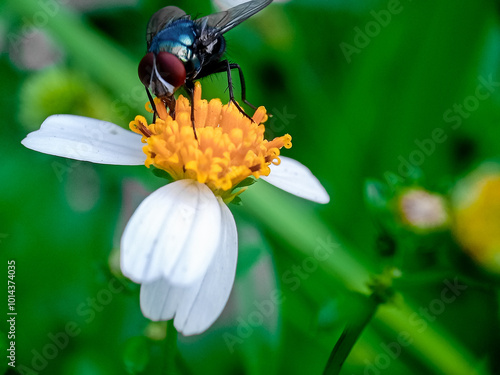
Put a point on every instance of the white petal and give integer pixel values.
(159, 299)
(294, 177)
(197, 306)
(173, 234)
(87, 139)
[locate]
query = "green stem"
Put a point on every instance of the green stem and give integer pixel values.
(350, 336)
(171, 349)
(300, 228)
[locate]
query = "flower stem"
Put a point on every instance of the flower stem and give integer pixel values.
(171, 349)
(350, 336)
(301, 229)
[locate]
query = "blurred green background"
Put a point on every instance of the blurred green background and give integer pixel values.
(379, 96)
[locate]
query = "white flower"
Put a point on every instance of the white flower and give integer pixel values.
(181, 243)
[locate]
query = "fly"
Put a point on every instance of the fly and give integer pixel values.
(181, 50)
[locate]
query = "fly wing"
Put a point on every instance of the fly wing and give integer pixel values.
(160, 19)
(224, 21)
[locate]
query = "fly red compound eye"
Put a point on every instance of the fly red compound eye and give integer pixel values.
(146, 67)
(170, 68)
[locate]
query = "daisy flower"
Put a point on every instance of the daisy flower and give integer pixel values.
(181, 243)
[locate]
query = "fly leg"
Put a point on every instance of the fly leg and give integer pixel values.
(189, 86)
(226, 66)
(170, 104)
(153, 106)
(243, 87)
(230, 66)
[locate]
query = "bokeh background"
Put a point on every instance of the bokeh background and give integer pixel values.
(395, 107)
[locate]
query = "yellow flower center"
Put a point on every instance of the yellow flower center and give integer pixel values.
(228, 146)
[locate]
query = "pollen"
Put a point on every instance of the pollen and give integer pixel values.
(228, 147)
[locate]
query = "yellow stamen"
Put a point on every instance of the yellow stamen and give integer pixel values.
(230, 147)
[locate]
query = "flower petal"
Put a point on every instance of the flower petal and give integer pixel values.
(295, 178)
(160, 298)
(197, 306)
(173, 234)
(87, 139)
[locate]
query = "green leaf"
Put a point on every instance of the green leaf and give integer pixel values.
(161, 173)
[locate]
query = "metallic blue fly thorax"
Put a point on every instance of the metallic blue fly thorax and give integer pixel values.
(178, 38)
